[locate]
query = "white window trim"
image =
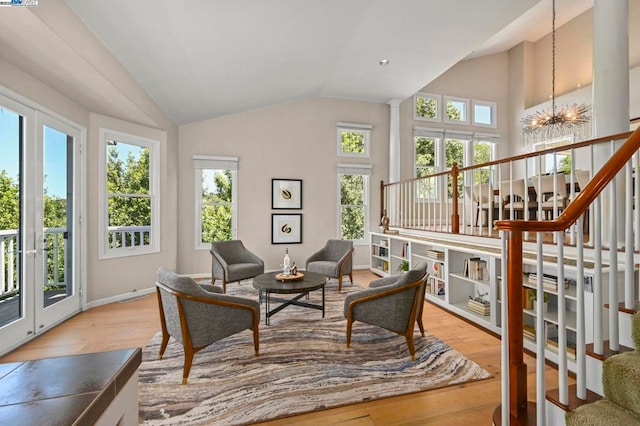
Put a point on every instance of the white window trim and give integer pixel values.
(448, 99)
(203, 162)
(154, 192)
(353, 169)
(353, 127)
(437, 98)
(494, 113)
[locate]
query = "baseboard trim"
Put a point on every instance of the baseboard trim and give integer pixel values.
(120, 298)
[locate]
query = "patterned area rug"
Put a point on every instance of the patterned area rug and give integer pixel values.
(303, 366)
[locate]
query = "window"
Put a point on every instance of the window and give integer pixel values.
(426, 107)
(353, 140)
(425, 164)
(129, 201)
(353, 201)
(483, 151)
(454, 153)
(216, 195)
(456, 110)
(484, 113)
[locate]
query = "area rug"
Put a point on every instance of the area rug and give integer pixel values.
(303, 366)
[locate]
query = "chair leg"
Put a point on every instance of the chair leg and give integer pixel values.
(339, 283)
(420, 325)
(188, 360)
(163, 345)
(349, 324)
(412, 349)
(224, 285)
(351, 277)
(256, 340)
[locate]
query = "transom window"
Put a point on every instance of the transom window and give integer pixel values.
(484, 113)
(216, 194)
(129, 213)
(353, 139)
(426, 107)
(457, 110)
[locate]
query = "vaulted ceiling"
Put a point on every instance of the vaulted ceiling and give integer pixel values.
(207, 58)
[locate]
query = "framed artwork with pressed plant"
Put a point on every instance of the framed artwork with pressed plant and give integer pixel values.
(286, 194)
(286, 228)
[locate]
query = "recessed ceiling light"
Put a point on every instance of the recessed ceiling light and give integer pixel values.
(384, 62)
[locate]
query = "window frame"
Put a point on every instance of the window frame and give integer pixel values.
(354, 127)
(436, 155)
(437, 98)
(464, 101)
(365, 171)
(215, 163)
(492, 141)
(494, 113)
(105, 252)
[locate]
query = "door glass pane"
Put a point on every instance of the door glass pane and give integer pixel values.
(57, 199)
(11, 303)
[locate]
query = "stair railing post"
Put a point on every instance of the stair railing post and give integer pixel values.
(455, 218)
(517, 367)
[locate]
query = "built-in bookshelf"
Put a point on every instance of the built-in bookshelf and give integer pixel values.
(466, 280)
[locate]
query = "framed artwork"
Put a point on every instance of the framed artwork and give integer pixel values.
(286, 194)
(286, 228)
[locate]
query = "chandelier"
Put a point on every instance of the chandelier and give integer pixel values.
(559, 122)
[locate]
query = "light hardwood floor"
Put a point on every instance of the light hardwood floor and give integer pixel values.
(133, 323)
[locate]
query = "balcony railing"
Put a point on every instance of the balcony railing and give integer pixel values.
(119, 236)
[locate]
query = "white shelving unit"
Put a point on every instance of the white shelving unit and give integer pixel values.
(450, 284)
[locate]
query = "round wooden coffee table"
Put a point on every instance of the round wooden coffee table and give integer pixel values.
(267, 284)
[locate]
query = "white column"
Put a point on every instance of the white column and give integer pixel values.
(610, 88)
(610, 67)
(394, 140)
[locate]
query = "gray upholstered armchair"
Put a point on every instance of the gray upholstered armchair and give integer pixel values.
(393, 303)
(333, 260)
(231, 261)
(199, 315)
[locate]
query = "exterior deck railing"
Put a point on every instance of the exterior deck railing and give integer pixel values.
(121, 236)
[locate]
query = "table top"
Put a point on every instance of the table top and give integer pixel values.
(310, 281)
(65, 390)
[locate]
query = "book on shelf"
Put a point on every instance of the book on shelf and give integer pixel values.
(552, 345)
(529, 332)
(481, 307)
(476, 269)
(437, 268)
(405, 250)
(549, 282)
(435, 254)
(440, 287)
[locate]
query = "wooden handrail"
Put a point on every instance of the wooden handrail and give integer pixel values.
(585, 197)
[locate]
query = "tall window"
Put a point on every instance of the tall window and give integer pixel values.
(483, 152)
(353, 193)
(129, 200)
(353, 139)
(216, 189)
(454, 153)
(425, 164)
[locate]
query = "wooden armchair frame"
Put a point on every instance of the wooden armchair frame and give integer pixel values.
(189, 349)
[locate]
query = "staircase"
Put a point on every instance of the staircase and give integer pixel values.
(621, 384)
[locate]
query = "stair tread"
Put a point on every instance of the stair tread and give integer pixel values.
(602, 412)
(607, 352)
(574, 402)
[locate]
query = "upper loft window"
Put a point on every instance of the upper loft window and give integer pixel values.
(353, 139)
(457, 110)
(426, 107)
(129, 199)
(484, 113)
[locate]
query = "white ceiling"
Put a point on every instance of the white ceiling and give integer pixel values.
(206, 58)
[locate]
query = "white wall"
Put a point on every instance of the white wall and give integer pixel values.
(296, 140)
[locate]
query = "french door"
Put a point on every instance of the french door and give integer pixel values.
(39, 222)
